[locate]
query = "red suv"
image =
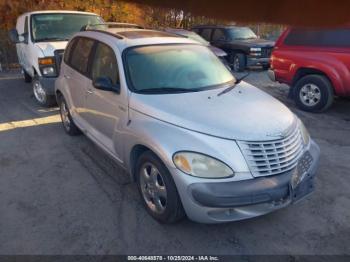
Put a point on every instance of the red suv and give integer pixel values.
(315, 63)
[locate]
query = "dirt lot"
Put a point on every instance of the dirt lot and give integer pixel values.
(61, 195)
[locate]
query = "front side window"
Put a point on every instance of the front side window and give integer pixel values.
(59, 27)
(105, 64)
(174, 68)
(25, 31)
(241, 33)
(80, 56)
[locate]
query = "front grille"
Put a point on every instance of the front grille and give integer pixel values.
(58, 57)
(266, 52)
(273, 157)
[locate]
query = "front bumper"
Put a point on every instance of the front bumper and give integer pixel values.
(254, 61)
(48, 84)
(215, 202)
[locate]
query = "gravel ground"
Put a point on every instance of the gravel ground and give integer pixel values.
(61, 195)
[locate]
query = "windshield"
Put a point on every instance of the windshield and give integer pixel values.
(175, 68)
(59, 27)
(241, 33)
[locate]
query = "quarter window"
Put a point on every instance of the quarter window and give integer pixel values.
(68, 52)
(206, 33)
(105, 64)
(80, 56)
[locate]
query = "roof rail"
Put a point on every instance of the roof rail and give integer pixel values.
(107, 25)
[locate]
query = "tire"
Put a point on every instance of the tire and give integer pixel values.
(41, 97)
(67, 120)
(238, 62)
(27, 77)
(313, 93)
(161, 189)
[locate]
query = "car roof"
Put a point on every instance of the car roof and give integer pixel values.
(128, 37)
(58, 12)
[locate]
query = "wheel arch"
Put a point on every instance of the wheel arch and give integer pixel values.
(304, 71)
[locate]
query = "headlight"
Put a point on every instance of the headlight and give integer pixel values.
(255, 49)
(200, 165)
(49, 71)
(47, 66)
(304, 133)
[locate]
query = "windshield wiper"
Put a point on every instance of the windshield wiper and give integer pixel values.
(51, 39)
(238, 80)
(165, 90)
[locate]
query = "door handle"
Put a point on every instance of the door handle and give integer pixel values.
(89, 91)
(66, 76)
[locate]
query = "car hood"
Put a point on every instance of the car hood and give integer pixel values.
(48, 48)
(217, 51)
(255, 42)
(245, 113)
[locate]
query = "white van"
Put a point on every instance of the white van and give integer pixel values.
(40, 39)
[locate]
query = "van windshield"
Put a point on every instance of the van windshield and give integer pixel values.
(175, 68)
(59, 27)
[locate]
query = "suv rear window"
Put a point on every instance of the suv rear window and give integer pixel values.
(316, 37)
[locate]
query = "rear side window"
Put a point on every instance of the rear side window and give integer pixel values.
(105, 64)
(219, 35)
(316, 37)
(80, 56)
(206, 33)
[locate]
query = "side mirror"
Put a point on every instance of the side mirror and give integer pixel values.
(105, 83)
(13, 35)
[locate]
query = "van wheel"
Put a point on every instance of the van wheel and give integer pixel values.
(27, 77)
(40, 94)
(238, 62)
(313, 93)
(158, 190)
(67, 120)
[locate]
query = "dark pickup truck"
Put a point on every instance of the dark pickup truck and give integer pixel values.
(244, 48)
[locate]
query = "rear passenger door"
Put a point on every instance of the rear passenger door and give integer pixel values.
(76, 75)
(106, 110)
(219, 38)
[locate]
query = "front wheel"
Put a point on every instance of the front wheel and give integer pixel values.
(313, 93)
(41, 95)
(238, 62)
(158, 190)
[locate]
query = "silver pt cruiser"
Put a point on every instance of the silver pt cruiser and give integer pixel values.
(196, 140)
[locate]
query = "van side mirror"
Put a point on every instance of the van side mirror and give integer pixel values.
(105, 83)
(13, 35)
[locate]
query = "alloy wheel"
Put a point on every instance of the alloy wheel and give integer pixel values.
(39, 92)
(65, 116)
(310, 95)
(153, 188)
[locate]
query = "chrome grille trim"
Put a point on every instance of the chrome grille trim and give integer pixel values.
(266, 158)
